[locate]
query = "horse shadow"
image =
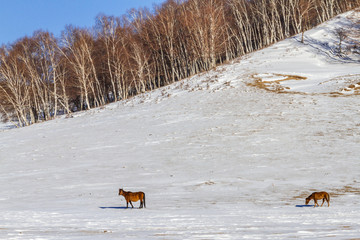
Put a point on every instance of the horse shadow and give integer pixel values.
(304, 206)
(117, 208)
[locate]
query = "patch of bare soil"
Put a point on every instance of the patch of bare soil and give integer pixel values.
(345, 190)
(353, 89)
(335, 192)
(304, 194)
(274, 85)
(208, 183)
(347, 85)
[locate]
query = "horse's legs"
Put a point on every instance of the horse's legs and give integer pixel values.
(127, 204)
(323, 201)
(315, 203)
(131, 204)
(141, 204)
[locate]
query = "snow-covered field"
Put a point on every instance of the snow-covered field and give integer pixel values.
(217, 157)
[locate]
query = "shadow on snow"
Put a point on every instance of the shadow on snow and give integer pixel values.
(113, 207)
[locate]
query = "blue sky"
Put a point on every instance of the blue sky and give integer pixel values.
(19, 18)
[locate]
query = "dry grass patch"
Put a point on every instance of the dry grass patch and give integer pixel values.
(352, 88)
(343, 86)
(272, 81)
(345, 190)
(304, 194)
(350, 85)
(335, 192)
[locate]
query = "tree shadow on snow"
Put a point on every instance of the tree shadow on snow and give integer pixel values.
(329, 47)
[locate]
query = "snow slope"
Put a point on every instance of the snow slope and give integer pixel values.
(317, 60)
(217, 157)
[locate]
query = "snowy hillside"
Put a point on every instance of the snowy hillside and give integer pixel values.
(222, 155)
(317, 66)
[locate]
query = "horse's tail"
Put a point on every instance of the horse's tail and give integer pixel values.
(144, 201)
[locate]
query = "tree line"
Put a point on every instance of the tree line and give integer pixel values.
(43, 76)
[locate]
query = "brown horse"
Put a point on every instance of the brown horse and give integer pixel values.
(133, 196)
(318, 196)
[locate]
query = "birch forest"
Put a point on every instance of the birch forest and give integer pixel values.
(43, 76)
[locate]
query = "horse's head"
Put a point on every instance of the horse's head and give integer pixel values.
(121, 192)
(307, 200)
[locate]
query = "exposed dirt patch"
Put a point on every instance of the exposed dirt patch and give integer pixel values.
(346, 227)
(334, 192)
(348, 85)
(207, 183)
(345, 190)
(272, 82)
(343, 86)
(303, 194)
(352, 89)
